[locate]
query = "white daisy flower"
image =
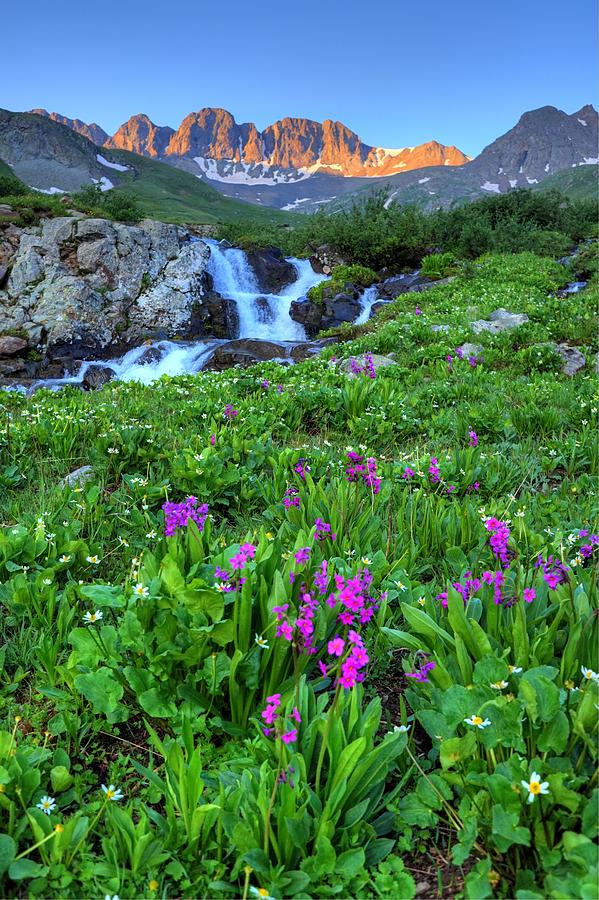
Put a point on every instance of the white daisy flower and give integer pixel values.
(515, 670)
(498, 685)
(261, 642)
(141, 591)
(478, 722)
(112, 793)
(589, 674)
(91, 617)
(46, 804)
(94, 560)
(535, 786)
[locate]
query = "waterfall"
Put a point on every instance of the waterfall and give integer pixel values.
(368, 299)
(261, 315)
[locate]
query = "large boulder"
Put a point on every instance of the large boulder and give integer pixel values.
(573, 359)
(273, 272)
(499, 320)
(11, 345)
(96, 376)
(75, 285)
(325, 258)
(245, 352)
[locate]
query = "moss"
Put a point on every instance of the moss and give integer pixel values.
(340, 276)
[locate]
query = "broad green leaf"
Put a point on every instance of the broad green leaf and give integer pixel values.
(101, 689)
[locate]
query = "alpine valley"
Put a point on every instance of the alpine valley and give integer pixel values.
(295, 164)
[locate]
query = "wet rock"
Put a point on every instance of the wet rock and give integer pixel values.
(149, 356)
(376, 307)
(392, 287)
(425, 284)
(78, 477)
(499, 320)
(307, 349)
(95, 377)
(325, 258)
(263, 310)
(245, 352)
(572, 358)
(10, 345)
(273, 272)
(219, 316)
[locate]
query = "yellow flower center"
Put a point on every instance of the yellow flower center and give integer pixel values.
(476, 720)
(534, 787)
(109, 794)
(59, 828)
(588, 674)
(153, 885)
(263, 892)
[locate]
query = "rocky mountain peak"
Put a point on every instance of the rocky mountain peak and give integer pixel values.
(92, 131)
(140, 135)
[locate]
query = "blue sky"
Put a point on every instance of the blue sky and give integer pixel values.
(399, 72)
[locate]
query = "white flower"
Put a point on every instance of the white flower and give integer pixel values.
(112, 793)
(262, 643)
(260, 892)
(498, 685)
(399, 729)
(478, 722)
(46, 804)
(515, 670)
(90, 617)
(365, 561)
(92, 559)
(589, 674)
(141, 591)
(123, 542)
(65, 558)
(113, 451)
(400, 586)
(535, 786)
(151, 535)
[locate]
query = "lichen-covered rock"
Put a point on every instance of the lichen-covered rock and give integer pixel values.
(574, 360)
(499, 320)
(76, 285)
(11, 345)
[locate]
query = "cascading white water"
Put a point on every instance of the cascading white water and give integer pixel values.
(263, 316)
(368, 299)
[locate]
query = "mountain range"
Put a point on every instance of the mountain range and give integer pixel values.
(295, 164)
(289, 150)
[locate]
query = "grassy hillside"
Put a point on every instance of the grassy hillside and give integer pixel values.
(172, 195)
(410, 621)
(581, 183)
(5, 169)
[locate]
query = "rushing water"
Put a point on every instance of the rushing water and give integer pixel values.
(261, 315)
(368, 299)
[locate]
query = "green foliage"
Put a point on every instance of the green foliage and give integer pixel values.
(438, 265)
(160, 690)
(107, 204)
(342, 276)
(378, 234)
(11, 186)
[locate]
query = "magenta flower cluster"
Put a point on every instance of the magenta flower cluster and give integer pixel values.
(177, 515)
(355, 607)
(301, 468)
(554, 571)
(323, 530)
(364, 470)
(291, 498)
(229, 412)
(421, 674)
(367, 369)
(276, 721)
(499, 536)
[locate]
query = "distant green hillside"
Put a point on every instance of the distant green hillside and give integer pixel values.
(172, 195)
(5, 169)
(581, 183)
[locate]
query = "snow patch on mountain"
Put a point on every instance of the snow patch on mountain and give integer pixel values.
(231, 172)
(582, 122)
(490, 186)
(111, 165)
